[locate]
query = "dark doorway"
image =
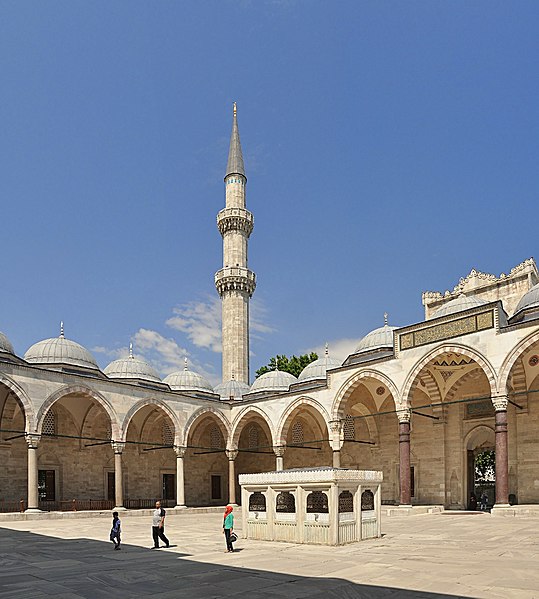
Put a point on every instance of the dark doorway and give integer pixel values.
(481, 479)
(169, 486)
(215, 487)
(46, 484)
(111, 486)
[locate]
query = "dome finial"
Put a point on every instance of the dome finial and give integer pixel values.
(276, 362)
(235, 109)
(233, 375)
(131, 351)
(385, 319)
(185, 363)
(61, 329)
(326, 349)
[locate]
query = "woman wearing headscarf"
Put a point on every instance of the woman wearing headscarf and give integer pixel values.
(228, 527)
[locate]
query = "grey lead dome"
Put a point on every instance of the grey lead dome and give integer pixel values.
(187, 380)
(459, 304)
(131, 368)
(5, 345)
(275, 380)
(382, 337)
(59, 350)
(529, 300)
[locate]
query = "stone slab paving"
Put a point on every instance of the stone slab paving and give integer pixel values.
(430, 556)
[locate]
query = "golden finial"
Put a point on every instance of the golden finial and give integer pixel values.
(235, 109)
(62, 329)
(385, 319)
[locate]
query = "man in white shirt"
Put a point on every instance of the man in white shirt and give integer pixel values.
(158, 526)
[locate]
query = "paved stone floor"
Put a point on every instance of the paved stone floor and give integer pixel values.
(427, 556)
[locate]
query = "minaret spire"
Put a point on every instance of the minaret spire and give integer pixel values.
(235, 283)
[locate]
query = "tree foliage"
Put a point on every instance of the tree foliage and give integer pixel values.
(485, 465)
(294, 365)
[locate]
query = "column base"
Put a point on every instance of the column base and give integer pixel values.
(233, 504)
(33, 510)
(179, 507)
(119, 509)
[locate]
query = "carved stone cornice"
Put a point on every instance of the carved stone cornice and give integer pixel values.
(235, 278)
(33, 441)
(313, 475)
(500, 403)
(180, 451)
(118, 447)
(235, 219)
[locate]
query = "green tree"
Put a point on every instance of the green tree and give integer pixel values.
(294, 365)
(485, 465)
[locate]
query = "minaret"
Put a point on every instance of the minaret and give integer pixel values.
(235, 283)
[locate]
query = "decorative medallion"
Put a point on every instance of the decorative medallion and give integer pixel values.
(380, 390)
(533, 361)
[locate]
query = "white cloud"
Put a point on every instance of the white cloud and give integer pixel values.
(338, 348)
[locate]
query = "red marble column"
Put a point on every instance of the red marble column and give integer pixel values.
(404, 457)
(502, 462)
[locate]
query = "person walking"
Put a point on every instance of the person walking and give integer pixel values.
(115, 531)
(158, 526)
(228, 528)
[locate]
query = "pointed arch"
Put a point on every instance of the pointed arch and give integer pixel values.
(459, 383)
(80, 390)
(158, 403)
(349, 386)
(284, 423)
(431, 387)
(224, 425)
(22, 397)
(404, 398)
(242, 419)
(512, 357)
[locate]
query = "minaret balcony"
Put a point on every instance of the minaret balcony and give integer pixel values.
(235, 278)
(235, 219)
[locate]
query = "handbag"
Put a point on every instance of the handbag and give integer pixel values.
(233, 537)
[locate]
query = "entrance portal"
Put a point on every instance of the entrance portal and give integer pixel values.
(481, 468)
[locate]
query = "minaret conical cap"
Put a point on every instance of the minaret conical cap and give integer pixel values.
(235, 165)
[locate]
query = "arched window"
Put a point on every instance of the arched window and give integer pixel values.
(49, 423)
(216, 439)
(367, 500)
(346, 502)
(349, 428)
(317, 503)
(297, 433)
(253, 436)
(167, 434)
(257, 502)
(285, 503)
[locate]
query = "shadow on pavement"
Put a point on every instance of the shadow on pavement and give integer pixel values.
(34, 566)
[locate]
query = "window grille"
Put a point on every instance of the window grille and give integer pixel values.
(367, 500)
(317, 503)
(49, 423)
(297, 433)
(253, 437)
(285, 503)
(257, 502)
(167, 434)
(216, 439)
(349, 428)
(346, 502)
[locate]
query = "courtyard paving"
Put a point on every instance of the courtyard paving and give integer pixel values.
(427, 556)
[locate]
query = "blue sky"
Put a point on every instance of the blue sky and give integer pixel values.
(390, 147)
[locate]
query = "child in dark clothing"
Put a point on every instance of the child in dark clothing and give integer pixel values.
(116, 530)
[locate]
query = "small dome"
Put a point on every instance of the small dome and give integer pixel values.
(5, 345)
(232, 389)
(529, 300)
(382, 337)
(60, 350)
(318, 368)
(275, 380)
(459, 304)
(131, 368)
(187, 380)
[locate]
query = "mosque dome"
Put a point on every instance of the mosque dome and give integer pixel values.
(131, 368)
(60, 350)
(5, 345)
(275, 380)
(529, 300)
(187, 380)
(232, 389)
(382, 337)
(459, 304)
(318, 368)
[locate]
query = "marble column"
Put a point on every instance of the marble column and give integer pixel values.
(118, 476)
(404, 457)
(279, 456)
(231, 454)
(180, 479)
(336, 442)
(33, 491)
(502, 462)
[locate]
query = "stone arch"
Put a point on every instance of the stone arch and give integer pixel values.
(459, 383)
(158, 403)
(223, 423)
(431, 387)
(242, 419)
(348, 387)
(443, 349)
(82, 390)
(285, 422)
(512, 357)
(22, 397)
(477, 434)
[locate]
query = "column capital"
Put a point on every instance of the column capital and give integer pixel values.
(180, 451)
(279, 450)
(500, 403)
(404, 415)
(117, 447)
(335, 426)
(231, 454)
(33, 441)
